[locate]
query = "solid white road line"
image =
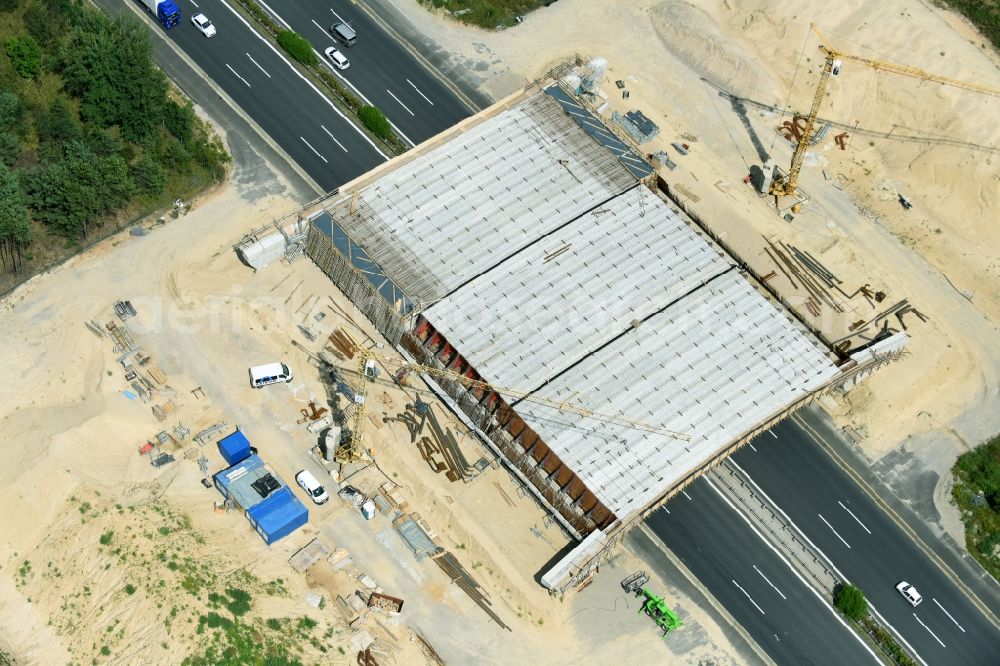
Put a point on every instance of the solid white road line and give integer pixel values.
(769, 582)
(833, 530)
(748, 597)
(420, 93)
(667, 510)
(948, 614)
(833, 566)
(316, 24)
(258, 66)
(863, 526)
(195, 4)
(929, 630)
(238, 76)
(823, 602)
(334, 138)
(772, 434)
(684, 492)
(307, 81)
(314, 150)
(338, 17)
(752, 447)
(400, 103)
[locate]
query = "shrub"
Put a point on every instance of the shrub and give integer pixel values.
(240, 604)
(850, 601)
(107, 537)
(297, 46)
(24, 55)
(375, 121)
(130, 589)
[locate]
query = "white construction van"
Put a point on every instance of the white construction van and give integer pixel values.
(272, 373)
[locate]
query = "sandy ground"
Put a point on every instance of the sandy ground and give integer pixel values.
(104, 558)
(935, 144)
(71, 436)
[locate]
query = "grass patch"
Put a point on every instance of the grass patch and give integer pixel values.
(977, 494)
(489, 14)
(984, 14)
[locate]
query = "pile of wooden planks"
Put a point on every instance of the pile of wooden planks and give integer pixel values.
(341, 342)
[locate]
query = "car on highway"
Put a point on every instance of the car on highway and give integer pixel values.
(909, 593)
(336, 57)
(204, 26)
(344, 34)
(311, 485)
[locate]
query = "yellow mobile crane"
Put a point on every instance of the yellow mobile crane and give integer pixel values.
(353, 449)
(787, 184)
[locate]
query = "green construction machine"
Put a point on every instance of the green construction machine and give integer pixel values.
(652, 605)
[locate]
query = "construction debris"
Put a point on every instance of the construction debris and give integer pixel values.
(459, 576)
(124, 310)
(203, 436)
(384, 602)
(308, 555)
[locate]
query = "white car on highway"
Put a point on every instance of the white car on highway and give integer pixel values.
(909, 593)
(204, 26)
(336, 57)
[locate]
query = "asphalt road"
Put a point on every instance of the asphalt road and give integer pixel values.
(381, 70)
(782, 615)
(868, 548)
(264, 84)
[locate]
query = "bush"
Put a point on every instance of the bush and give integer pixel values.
(107, 537)
(297, 46)
(375, 121)
(240, 604)
(850, 601)
(977, 494)
(24, 55)
(263, 17)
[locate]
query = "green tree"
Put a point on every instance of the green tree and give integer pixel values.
(374, 120)
(179, 119)
(8, 5)
(24, 55)
(72, 194)
(56, 127)
(45, 22)
(850, 601)
(107, 63)
(15, 225)
(148, 175)
(297, 46)
(11, 118)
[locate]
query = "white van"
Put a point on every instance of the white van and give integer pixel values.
(272, 373)
(308, 483)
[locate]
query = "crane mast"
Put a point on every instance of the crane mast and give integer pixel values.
(787, 185)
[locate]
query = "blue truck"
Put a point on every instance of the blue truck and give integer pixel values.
(166, 12)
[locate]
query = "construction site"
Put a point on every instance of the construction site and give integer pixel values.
(511, 345)
(531, 264)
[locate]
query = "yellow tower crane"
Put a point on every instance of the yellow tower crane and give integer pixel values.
(787, 184)
(353, 449)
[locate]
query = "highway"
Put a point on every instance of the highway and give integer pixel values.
(781, 614)
(868, 548)
(260, 80)
(381, 70)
